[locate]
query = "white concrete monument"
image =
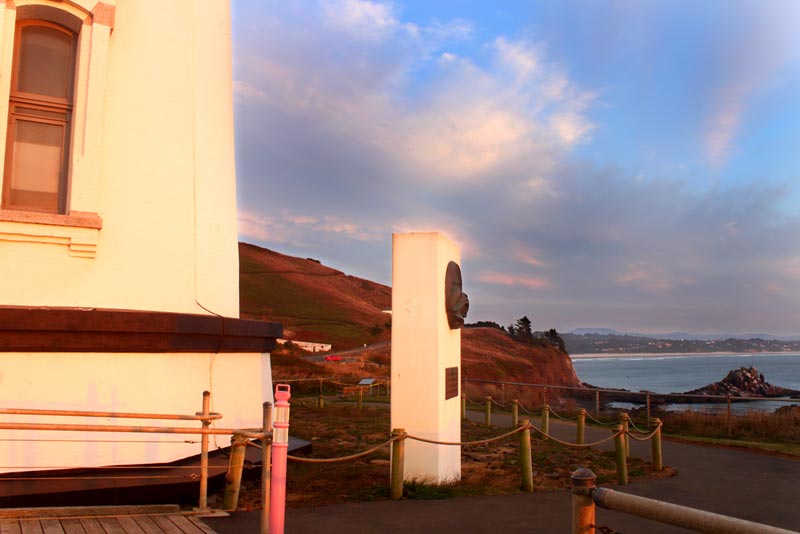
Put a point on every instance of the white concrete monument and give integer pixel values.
(428, 308)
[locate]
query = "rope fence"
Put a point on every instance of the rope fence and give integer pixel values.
(618, 435)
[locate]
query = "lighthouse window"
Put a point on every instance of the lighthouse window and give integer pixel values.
(39, 119)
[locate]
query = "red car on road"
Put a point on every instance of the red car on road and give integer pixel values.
(333, 358)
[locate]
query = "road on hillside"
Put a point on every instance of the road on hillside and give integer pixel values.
(349, 353)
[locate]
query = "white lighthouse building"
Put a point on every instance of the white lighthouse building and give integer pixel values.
(118, 237)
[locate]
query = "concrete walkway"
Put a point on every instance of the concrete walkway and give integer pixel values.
(741, 484)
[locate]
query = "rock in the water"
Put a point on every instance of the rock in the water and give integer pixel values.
(743, 382)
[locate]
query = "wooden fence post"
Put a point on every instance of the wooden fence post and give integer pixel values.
(656, 444)
(463, 406)
(546, 420)
(515, 413)
(360, 398)
(488, 411)
(581, 427)
(624, 420)
(525, 461)
(233, 478)
(729, 416)
(320, 402)
(620, 455)
(597, 403)
(398, 463)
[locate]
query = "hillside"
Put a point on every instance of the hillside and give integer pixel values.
(489, 352)
(314, 302)
(317, 303)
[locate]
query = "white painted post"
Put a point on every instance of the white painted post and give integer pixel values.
(423, 348)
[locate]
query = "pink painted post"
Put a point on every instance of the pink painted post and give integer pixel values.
(280, 449)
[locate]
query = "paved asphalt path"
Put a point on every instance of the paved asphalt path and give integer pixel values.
(733, 482)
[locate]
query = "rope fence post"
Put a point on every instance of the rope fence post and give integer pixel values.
(463, 406)
(266, 469)
(360, 398)
(202, 505)
(515, 413)
(583, 509)
(233, 478)
(398, 463)
(320, 401)
(656, 444)
(525, 461)
(488, 411)
(620, 455)
(546, 419)
(597, 403)
(580, 436)
(729, 414)
(624, 420)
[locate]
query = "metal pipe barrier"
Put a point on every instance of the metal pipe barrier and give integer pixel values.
(205, 417)
(586, 495)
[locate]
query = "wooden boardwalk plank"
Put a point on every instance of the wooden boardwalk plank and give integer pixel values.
(84, 511)
(184, 524)
(91, 526)
(111, 525)
(205, 529)
(129, 525)
(51, 526)
(166, 526)
(146, 523)
(30, 527)
(72, 526)
(172, 523)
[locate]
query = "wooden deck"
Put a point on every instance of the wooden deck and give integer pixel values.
(101, 520)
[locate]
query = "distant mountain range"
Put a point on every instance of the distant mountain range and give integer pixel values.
(683, 335)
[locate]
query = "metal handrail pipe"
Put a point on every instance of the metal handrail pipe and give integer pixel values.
(118, 415)
(677, 515)
(303, 379)
(248, 433)
(622, 392)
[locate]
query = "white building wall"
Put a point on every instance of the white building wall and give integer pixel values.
(153, 383)
(154, 122)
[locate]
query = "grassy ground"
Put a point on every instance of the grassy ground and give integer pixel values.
(340, 430)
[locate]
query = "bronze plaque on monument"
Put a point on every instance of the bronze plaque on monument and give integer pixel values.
(450, 382)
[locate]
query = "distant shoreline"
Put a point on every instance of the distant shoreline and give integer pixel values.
(671, 354)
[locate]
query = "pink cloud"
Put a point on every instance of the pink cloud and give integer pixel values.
(504, 279)
(645, 277)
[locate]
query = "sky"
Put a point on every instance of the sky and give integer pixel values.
(624, 164)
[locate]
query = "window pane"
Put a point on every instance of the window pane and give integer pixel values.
(36, 165)
(45, 61)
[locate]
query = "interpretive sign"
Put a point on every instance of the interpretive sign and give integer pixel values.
(450, 383)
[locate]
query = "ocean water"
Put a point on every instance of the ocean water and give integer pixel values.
(677, 373)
